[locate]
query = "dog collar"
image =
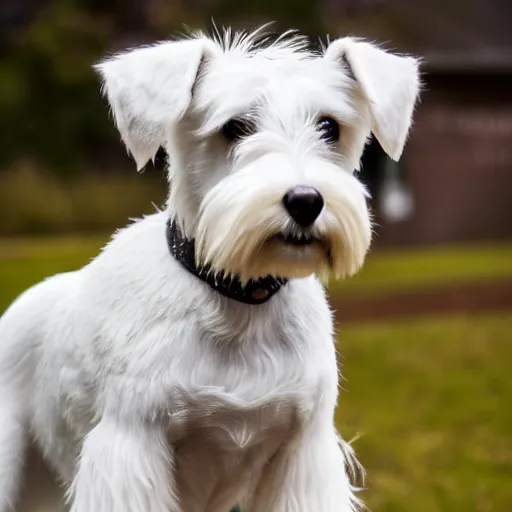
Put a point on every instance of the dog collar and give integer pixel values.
(254, 292)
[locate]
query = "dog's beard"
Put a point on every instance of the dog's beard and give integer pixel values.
(243, 228)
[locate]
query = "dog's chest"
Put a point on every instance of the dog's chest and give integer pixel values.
(221, 442)
(239, 401)
(232, 424)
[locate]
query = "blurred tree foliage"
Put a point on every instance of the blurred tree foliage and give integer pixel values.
(50, 104)
(49, 97)
(304, 15)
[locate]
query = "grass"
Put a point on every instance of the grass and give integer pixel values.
(424, 268)
(24, 261)
(431, 399)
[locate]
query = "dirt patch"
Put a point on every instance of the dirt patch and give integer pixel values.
(461, 298)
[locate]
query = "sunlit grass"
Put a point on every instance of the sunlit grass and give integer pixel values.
(394, 270)
(24, 261)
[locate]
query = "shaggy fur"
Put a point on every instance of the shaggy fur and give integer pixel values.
(144, 389)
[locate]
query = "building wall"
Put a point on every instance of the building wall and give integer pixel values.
(458, 163)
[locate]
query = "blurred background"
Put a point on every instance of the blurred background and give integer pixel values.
(425, 329)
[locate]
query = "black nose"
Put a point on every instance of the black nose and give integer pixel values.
(304, 204)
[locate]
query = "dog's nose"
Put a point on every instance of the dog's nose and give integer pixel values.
(304, 204)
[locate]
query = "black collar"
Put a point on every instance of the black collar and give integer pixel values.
(254, 292)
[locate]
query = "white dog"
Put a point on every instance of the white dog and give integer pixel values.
(191, 365)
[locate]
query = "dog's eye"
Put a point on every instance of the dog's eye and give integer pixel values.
(235, 129)
(329, 129)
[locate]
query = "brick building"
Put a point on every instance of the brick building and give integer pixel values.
(457, 166)
(458, 162)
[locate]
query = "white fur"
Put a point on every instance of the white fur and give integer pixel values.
(146, 390)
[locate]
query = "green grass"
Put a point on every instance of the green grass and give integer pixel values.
(432, 401)
(423, 268)
(24, 262)
(28, 260)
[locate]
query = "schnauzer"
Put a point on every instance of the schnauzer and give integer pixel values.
(191, 366)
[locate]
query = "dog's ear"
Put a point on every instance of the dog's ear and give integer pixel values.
(389, 83)
(150, 88)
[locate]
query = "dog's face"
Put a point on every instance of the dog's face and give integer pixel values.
(263, 142)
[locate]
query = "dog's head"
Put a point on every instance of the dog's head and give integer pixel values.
(263, 139)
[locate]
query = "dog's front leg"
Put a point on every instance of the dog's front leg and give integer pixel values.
(309, 475)
(124, 468)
